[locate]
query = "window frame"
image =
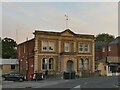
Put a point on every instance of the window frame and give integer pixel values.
(51, 64)
(68, 45)
(43, 45)
(44, 64)
(47, 45)
(81, 64)
(79, 47)
(52, 45)
(109, 48)
(13, 68)
(86, 64)
(103, 49)
(88, 48)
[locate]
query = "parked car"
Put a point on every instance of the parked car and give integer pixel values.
(36, 76)
(13, 77)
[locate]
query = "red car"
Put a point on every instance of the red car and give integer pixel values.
(36, 76)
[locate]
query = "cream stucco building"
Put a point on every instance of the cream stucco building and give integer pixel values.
(63, 51)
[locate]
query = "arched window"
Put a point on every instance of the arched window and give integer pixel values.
(81, 64)
(44, 63)
(86, 64)
(51, 63)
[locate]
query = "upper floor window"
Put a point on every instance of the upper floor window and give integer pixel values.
(103, 49)
(48, 46)
(86, 48)
(44, 46)
(67, 47)
(51, 46)
(81, 47)
(109, 48)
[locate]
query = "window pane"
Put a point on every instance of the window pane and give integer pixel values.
(103, 49)
(81, 64)
(51, 46)
(109, 48)
(86, 48)
(51, 63)
(80, 47)
(86, 64)
(12, 66)
(44, 45)
(44, 64)
(67, 47)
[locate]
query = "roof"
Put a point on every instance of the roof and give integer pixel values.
(99, 45)
(59, 33)
(26, 41)
(9, 61)
(116, 41)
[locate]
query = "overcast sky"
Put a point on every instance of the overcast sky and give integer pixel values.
(20, 19)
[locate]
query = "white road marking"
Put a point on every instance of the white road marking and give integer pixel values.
(77, 86)
(115, 85)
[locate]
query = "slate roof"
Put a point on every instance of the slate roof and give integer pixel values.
(116, 41)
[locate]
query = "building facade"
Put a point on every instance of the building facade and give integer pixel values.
(110, 57)
(25, 52)
(60, 52)
(9, 66)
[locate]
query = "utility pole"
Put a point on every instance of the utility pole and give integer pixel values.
(66, 21)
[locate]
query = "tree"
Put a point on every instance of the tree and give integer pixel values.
(104, 38)
(0, 48)
(9, 48)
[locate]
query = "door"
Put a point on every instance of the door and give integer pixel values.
(69, 65)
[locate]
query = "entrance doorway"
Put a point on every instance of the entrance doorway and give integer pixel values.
(69, 66)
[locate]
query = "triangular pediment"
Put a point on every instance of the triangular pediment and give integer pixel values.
(67, 32)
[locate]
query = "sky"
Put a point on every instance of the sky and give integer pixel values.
(21, 19)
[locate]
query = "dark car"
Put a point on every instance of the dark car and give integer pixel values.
(13, 77)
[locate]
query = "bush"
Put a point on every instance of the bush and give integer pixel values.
(77, 76)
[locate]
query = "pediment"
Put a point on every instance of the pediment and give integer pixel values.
(67, 33)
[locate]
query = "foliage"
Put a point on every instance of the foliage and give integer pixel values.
(0, 48)
(104, 37)
(9, 48)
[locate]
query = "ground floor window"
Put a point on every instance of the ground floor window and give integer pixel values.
(47, 63)
(12, 66)
(84, 64)
(81, 64)
(44, 63)
(51, 63)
